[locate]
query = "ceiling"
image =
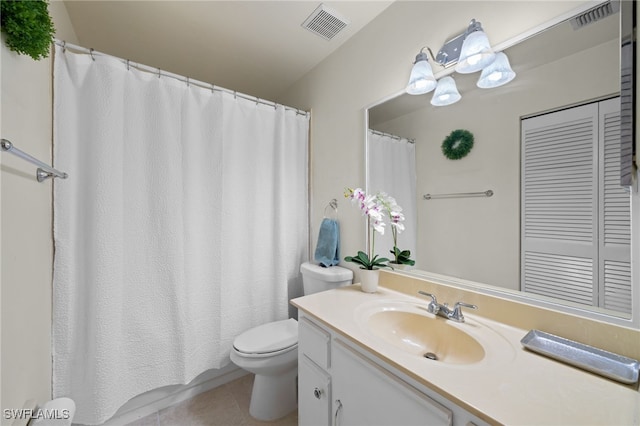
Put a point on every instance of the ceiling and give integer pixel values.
(255, 47)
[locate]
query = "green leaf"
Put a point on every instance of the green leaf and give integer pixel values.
(363, 258)
(353, 259)
(381, 260)
(402, 257)
(374, 263)
(28, 27)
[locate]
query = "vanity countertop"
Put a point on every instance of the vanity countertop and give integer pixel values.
(522, 388)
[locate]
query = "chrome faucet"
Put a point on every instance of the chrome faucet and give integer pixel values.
(445, 311)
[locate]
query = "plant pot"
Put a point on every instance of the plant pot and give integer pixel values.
(400, 266)
(369, 280)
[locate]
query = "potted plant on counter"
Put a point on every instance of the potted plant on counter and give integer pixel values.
(372, 208)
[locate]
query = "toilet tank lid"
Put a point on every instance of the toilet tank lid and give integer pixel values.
(330, 274)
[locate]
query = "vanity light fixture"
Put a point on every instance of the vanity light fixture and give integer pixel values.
(469, 52)
(476, 52)
(421, 80)
(497, 73)
(446, 92)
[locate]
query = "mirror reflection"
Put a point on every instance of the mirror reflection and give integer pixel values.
(557, 223)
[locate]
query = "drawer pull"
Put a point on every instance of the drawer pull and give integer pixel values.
(317, 392)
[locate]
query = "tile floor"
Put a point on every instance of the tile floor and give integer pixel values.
(226, 405)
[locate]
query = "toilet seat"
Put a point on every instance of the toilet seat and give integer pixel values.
(268, 339)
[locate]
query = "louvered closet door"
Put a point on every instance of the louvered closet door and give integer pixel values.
(575, 216)
(615, 218)
(559, 204)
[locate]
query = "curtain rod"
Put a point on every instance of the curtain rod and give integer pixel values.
(44, 171)
(188, 81)
(399, 138)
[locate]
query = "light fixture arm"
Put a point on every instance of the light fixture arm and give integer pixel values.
(421, 56)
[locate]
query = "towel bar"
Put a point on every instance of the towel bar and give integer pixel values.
(43, 172)
(487, 193)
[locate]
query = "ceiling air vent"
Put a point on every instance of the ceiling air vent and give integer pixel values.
(325, 22)
(592, 15)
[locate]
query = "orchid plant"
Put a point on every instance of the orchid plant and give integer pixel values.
(394, 212)
(375, 208)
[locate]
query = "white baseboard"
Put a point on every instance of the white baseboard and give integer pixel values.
(158, 399)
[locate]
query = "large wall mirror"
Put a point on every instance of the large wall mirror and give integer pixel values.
(564, 239)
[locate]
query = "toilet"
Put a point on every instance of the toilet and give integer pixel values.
(270, 351)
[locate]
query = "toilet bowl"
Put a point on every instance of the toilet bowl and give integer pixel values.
(270, 351)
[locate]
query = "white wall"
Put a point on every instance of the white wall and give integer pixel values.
(478, 239)
(375, 64)
(26, 218)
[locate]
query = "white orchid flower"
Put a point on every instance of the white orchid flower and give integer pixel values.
(376, 208)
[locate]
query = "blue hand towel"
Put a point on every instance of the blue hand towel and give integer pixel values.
(328, 247)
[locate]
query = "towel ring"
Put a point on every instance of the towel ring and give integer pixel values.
(334, 205)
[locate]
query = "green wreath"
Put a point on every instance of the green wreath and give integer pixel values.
(458, 144)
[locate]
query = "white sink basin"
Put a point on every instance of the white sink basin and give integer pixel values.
(407, 327)
(426, 336)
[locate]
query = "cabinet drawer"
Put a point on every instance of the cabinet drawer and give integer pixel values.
(314, 342)
(314, 394)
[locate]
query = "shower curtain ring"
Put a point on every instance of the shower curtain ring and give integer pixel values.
(159, 72)
(64, 46)
(128, 68)
(91, 53)
(187, 81)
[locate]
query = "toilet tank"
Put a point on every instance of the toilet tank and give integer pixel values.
(316, 278)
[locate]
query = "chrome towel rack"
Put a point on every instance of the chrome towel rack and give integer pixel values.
(43, 172)
(487, 193)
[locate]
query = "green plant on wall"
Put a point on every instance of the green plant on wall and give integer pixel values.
(27, 27)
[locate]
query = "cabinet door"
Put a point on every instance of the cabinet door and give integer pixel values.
(314, 394)
(366, 394)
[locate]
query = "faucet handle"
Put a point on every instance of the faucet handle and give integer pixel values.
(433, 307)
(456, 315)
(432, 296)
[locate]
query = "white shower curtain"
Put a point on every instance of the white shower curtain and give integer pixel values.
(392, 169)
(183, 223)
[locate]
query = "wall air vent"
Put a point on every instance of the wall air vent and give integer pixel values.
(595, 14)
(325, 22)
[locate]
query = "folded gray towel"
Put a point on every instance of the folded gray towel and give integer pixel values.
(328, 247)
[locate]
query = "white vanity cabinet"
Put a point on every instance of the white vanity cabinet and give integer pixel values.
(314, 381)
(340, 384)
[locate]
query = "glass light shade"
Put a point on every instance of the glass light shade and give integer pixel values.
(499, 72)
(421, 80)
(475, 54)
(446, 93)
